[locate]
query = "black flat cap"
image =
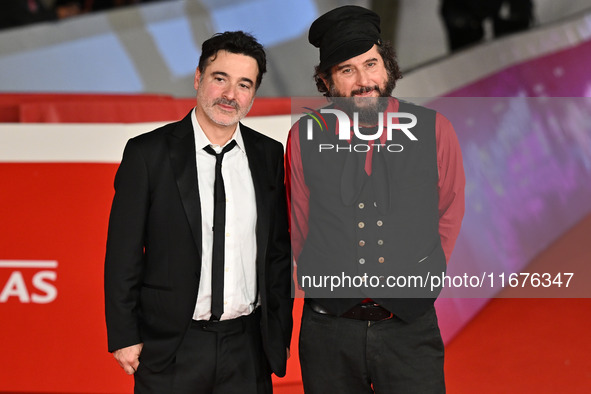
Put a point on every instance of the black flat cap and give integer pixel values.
(343, 33)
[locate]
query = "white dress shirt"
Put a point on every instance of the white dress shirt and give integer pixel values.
(240, 283)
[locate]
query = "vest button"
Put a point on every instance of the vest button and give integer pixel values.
(361, 224)
(361, 261)
(380, 223)
(381, 260)
(361, 205)
(362, 243)
(380, 242)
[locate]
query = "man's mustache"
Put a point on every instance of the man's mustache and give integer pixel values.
(224, 101)
(365, 89)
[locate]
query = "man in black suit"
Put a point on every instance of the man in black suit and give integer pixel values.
(195, 302)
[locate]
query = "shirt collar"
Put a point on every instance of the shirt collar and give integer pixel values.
(201, 140)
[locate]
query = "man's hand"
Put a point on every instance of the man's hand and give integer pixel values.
(128, 357)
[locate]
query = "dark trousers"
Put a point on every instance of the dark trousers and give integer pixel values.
(215, 358)
(340, 355)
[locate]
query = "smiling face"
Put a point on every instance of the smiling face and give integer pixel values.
(363, 80)
(225, 89)
(363, 77)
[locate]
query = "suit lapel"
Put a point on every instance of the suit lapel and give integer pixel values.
(181, 144)
(256, 159)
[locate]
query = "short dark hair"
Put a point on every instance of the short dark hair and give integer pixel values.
(386, 51)
(237, 42)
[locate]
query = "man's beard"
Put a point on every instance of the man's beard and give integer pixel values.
(367, 108)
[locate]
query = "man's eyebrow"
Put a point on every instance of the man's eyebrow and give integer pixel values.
(342, 66)
(221, 73)
(224, 74)
(347, 65)
(244, 79)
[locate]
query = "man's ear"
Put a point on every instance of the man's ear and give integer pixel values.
(197, 77)
(325, 82)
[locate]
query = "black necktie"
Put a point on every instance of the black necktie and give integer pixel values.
(219, 229)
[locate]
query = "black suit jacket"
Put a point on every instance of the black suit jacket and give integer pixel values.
(153, 258)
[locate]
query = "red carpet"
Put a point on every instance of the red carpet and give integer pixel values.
(517, 345)
(530, 345)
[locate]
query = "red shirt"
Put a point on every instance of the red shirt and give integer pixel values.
(451, 185)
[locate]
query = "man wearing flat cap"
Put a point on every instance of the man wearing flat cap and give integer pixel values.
(376, 188)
